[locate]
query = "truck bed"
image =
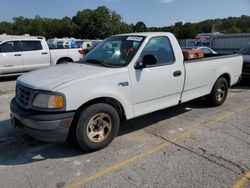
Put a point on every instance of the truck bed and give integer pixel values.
(201, 74)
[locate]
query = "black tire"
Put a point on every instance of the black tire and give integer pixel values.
(101, 119)
(63, 61)
(219, 92)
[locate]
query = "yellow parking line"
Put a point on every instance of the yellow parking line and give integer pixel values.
(4, 116)
(142, 155)
(242, 182)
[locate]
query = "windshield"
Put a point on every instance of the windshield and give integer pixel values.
(245, 50)
(115, 51)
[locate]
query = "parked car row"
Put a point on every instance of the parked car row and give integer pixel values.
(62, 43)
(20, 54)
(205, 49)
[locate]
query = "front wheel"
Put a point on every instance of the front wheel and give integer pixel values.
(97, 126)
(219, 92)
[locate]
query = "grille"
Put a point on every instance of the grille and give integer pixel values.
(23, 96)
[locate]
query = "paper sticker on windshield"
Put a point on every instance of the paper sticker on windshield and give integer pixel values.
(139, 39)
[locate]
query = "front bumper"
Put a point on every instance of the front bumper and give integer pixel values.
(47, 127)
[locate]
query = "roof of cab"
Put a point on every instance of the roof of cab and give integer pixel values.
(20, 37)
(146, 34)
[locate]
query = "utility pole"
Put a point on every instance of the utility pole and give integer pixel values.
(211, 37)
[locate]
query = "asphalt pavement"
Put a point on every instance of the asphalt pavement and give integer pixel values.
(190, 145)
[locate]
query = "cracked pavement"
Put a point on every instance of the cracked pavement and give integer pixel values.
(190, 145)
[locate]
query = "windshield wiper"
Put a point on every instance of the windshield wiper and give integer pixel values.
(99, 61)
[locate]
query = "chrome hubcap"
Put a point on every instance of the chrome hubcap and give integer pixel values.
(99, 127)
(220, 93)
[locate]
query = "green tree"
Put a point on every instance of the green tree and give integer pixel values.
(234, 29)
(6, 27)
(99, 23)
(140, 27)
(21, 25)
(102, 22)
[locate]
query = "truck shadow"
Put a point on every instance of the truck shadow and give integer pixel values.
(155, 117)
(244, 84)
(17, 148)
(9, 78)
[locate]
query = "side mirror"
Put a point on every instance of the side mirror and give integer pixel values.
(235, 52)
(147, 60)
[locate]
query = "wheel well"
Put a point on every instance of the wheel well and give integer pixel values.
(113, 102)
(227, 77)
(64, 59)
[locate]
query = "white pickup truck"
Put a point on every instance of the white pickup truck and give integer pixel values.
(20, 54)
(124, 77)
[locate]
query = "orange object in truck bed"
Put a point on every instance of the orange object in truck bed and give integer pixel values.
(190, 54)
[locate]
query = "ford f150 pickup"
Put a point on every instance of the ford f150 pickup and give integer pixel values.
(124, 77)
(20, 54)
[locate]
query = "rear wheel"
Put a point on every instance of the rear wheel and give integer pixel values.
(219, 92)
(97, 126)
(63, 61)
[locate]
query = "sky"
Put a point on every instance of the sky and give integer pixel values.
(156, 13)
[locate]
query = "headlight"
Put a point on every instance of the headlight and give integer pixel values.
(54, 101)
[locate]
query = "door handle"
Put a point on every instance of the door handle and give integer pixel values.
(177, 73)
(18, 54)
(44, 53)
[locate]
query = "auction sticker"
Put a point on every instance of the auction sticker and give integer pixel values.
(139, 39)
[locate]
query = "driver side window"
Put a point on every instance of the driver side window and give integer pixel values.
(10, 46)
(161, 48)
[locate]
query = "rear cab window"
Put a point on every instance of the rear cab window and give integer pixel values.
(31, 45)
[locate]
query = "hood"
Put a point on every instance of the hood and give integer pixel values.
(54, 76)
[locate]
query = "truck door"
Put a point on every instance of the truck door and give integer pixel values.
(160, 85)
(10, 57)
(34, 55)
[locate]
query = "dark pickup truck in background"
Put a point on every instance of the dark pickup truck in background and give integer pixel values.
(245, 52)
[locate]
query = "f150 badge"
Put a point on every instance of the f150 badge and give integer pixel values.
(123, 84)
